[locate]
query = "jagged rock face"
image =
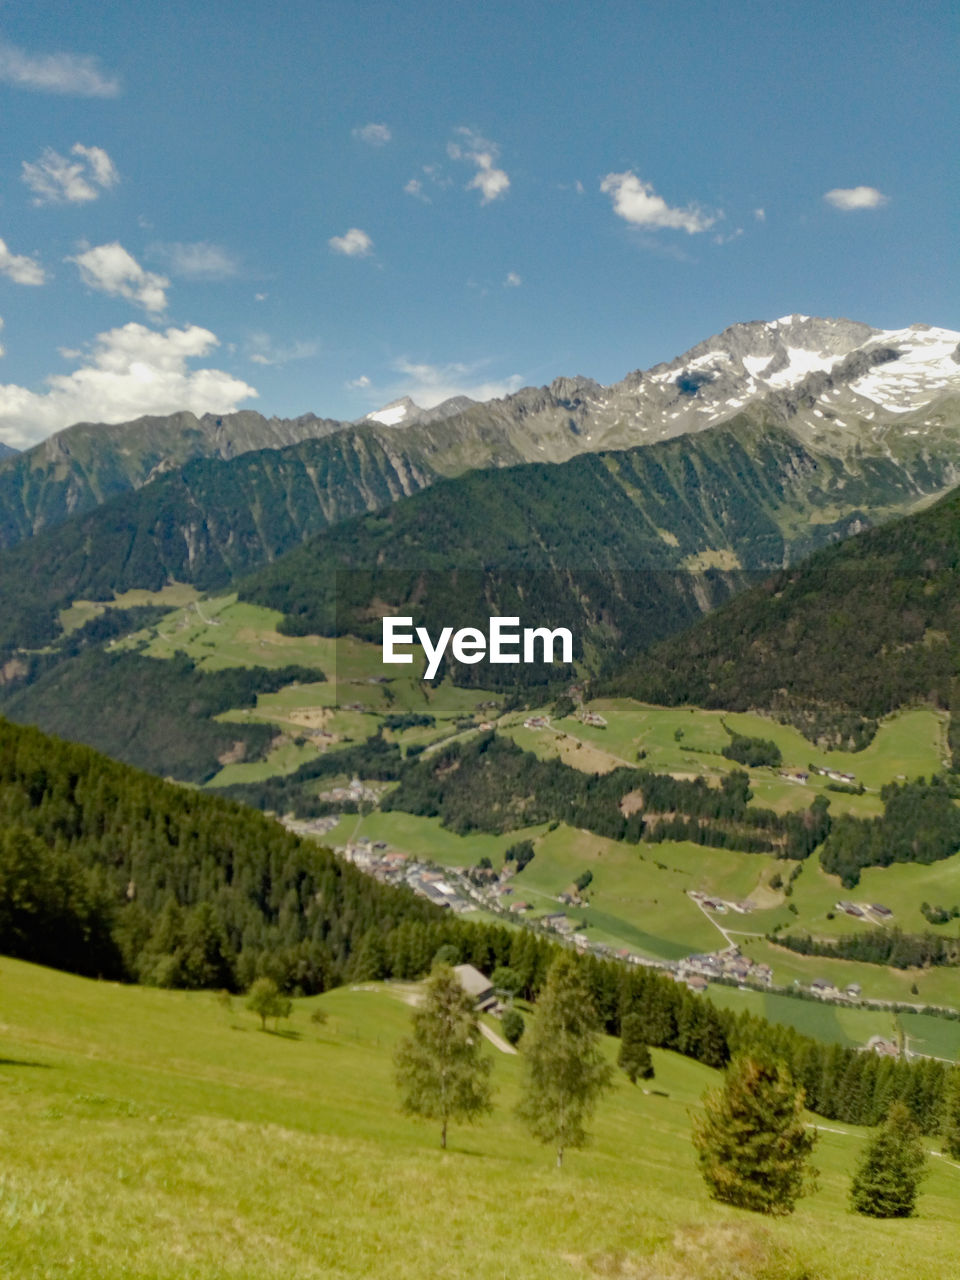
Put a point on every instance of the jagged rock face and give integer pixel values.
(828, 379)
(796, 365)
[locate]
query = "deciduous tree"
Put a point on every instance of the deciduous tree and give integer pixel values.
(566, 1071)
(441, 1070)
(265, 999)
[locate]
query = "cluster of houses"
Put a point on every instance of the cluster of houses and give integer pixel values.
(355, 791)
(390, 866)
(824, 989)
(537, 722)
(730, 964)
(875, 912)
(594, 718)
(834, 774)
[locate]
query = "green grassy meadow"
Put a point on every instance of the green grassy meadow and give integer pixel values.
(158, 1134)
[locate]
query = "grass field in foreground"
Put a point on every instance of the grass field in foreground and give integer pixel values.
(158, 1135)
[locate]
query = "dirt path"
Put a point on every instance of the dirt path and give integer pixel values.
(497, 1041)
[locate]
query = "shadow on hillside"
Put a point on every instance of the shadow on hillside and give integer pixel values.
(23, 1062)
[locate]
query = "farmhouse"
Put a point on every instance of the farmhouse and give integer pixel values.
(886, 1048)
(823, 988)
(476, 985)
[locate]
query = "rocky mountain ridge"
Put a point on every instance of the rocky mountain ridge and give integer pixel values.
(829, 380)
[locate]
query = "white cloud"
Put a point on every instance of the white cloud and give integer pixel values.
(198, 260)
(377, 135)
(54, 179)
(69, 73)
(513, 281)
(415, 188)
(636, 202)
(430, 384)
(760, 215)
(354, 244)
(490, 181)
(262, 350)
(848, 198)
(358, 384)
(110, 269)
(19, 268)
(131, 371)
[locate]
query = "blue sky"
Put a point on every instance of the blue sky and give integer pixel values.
(334, 204)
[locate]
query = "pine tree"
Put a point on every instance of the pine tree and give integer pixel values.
(888, 1176)
(751, 1139)
(951, 1116)
(565, 1069)
(441, 1070)
(634, 1055)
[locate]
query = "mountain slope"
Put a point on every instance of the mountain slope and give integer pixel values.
(87, 464)
(824, 378)
(627, 546)
(833, 644)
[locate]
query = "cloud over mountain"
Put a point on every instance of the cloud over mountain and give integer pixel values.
(132, 371)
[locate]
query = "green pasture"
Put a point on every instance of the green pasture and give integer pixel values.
(938, 986)
(840, 1024)
(425, 838)
(908, 744)
(282, 759)
(174, 595)
(149, 1134)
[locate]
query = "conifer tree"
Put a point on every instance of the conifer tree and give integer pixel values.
(888, 1175)
(565, 1068)
(634, 1056)
(752, 1143)
(441, 1070)
(951, 1117)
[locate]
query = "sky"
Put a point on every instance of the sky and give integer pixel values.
(324, 205)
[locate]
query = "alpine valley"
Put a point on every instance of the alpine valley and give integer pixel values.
(739, 804)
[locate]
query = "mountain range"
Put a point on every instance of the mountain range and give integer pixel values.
(830, 380)
(627, 510)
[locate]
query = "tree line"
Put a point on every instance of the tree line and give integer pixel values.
(920, 823)
(491, 784)
(878, 946)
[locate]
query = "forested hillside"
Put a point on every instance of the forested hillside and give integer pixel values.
(624, 546)
(87, 464)
(201, 524)
(155, 715)
(832, 644)
(107, 871)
